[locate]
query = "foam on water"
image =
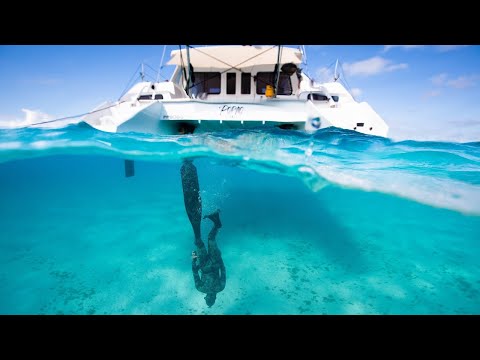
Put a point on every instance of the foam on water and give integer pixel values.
(438, 174)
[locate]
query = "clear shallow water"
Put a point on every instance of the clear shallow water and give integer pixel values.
(335, 223)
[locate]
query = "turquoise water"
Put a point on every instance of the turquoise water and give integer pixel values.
(335, 223)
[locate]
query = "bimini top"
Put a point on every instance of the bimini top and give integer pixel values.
(238, 56)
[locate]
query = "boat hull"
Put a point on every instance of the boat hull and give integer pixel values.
(166, 117)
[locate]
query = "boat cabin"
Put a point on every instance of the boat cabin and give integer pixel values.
(237, 73)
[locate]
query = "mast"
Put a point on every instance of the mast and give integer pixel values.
(188, 70)
(277, 77)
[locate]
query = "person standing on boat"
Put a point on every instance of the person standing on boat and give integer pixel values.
(207, 266)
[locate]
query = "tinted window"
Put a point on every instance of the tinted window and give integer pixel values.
(231, 83)
(335, 98)
(266, 78)
(246, 83)
(284, 85)
(207, 82)
(145, 97)
(317, 97)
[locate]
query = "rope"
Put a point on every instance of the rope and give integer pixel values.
(148, 66)
(347, 85)
(127, 87)
(342, 78)
(73, 116)
(305, 61)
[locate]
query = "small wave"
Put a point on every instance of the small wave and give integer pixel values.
(439, 174)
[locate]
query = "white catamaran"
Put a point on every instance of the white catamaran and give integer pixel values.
(222, 87)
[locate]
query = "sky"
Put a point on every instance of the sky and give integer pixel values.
(423, 92)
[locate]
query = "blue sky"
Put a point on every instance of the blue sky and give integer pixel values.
(427, 92)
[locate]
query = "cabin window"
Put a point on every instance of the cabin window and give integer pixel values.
(231, 83)
(317, 97)
(246, 83)
(266, 78)
(207, 82)
(149, 97)
(145, 97)
(284, 85)
(335, 98)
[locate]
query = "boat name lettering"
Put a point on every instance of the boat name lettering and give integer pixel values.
(231, 110)
(172, 117)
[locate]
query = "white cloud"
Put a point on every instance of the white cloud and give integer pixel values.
(439, 48)
(356, 92)
(439, 79)
(431, 93)
(445, 48)
(463, 82)
(372, 66)
(460, 82)
(413, 131)
(404, 47)
(32, 117)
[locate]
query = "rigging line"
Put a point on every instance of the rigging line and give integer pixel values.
(148, 66)
(213, 57)
(74, 116)
(326, 73)
(344, 78)
(304, 52)
(149, 77)
(161, 63)
(253, 57)
(126, 88)
(304, 60)
(307, 71)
